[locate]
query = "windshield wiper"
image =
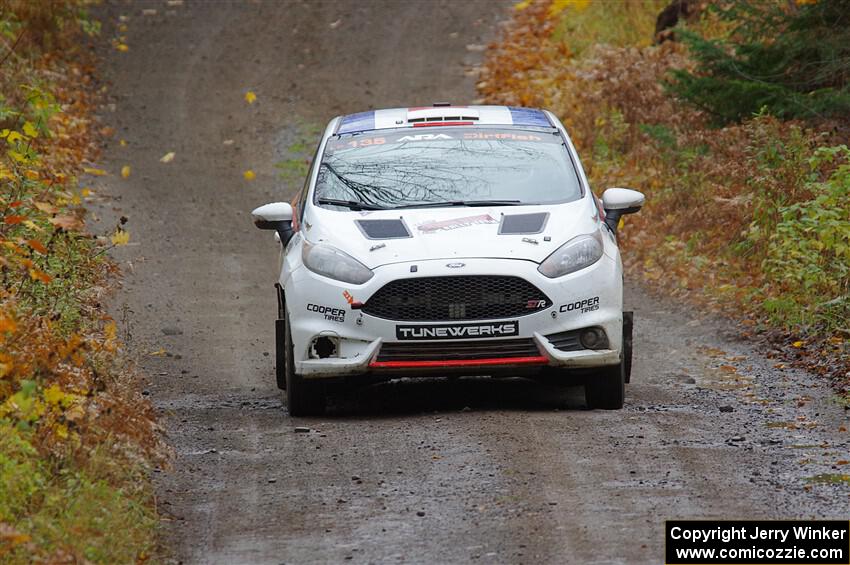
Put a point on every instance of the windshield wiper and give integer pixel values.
(470, 203)
(350, 204)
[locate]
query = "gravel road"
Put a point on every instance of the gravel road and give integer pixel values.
(419, 472)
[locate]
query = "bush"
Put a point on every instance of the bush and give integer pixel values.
(76, 436)
(790, 59)
(807, 260)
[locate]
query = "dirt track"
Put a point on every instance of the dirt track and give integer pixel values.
(427, 471)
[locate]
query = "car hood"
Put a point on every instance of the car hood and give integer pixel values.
(451, 233)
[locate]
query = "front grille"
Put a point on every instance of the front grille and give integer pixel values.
(473, 297)
(521, 347)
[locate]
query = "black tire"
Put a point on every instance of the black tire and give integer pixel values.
(303, 397)
(606, 390)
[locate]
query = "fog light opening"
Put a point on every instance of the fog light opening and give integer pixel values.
(324, 347)
(593, 338)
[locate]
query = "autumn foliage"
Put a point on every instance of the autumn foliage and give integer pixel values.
(751, 219)
(76, 437)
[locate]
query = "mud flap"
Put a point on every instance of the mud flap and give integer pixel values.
(280, 353)
(628, 325)
(280, 339)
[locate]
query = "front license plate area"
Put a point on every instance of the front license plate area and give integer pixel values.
(457, 331)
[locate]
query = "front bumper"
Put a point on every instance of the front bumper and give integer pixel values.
(320, 307)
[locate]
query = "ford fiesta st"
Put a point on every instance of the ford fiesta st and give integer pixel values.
(449, 241)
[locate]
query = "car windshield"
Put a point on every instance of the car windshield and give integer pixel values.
(452, 166)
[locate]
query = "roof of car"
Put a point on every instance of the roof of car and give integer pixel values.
(442, 115)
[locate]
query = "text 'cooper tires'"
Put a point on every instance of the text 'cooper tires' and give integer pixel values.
(606, 390)
(303, 398)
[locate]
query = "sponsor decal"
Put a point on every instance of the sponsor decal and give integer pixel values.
(455, 265)
(329, 312)
(511, 136)
(425, 137)
(458, 331)
(456, 223)
(348, 297)
(581, 306)
(535, 304)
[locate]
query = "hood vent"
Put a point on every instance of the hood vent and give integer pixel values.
(523, 223)
(383, 229)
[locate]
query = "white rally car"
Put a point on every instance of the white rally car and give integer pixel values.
(449, 241)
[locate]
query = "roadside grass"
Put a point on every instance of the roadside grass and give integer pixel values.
(829, 479)
(295, 167)
(750, 220)
(77, 439)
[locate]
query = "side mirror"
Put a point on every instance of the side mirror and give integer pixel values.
(275, 216)
(618, 202)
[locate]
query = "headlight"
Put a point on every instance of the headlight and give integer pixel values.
(576, 254)
(330, 262)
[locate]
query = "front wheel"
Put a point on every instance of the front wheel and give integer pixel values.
(606, 389)
(303, 397)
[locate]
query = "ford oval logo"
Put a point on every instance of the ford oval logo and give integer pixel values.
(455, 265)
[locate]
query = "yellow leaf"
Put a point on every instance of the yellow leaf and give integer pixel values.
(30, 174)
(250, 97)
(122, 142)
(19, 157)
(95, 172)
(37, 275)
(167, 158)
(110, 330)
(32, 225)
(120, 237)
(125, 171)
(249, 175)
(86, 192)
(13, 137)
(122, 47)
(30, 129)
(158, 353)
(53, 395)
(797, 344)
(522, 5)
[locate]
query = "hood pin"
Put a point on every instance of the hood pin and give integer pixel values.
(529, 240)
